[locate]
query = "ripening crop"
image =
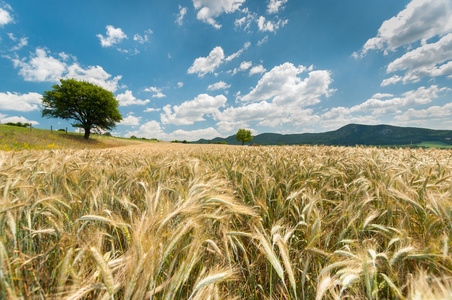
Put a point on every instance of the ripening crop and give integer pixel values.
(166, 221)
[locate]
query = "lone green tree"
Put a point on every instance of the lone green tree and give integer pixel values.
(243, 136)
(89, 105)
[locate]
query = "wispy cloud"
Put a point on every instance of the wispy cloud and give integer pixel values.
(275, 5)
(181, 15)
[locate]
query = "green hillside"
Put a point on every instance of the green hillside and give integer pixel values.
(355, 134)
(15, 138)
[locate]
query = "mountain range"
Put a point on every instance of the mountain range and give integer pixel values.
(350, 135)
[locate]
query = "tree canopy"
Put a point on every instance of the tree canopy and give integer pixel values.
(243, 136)
(89, 105)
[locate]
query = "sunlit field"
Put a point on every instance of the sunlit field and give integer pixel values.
(174, 221)
(14, 138)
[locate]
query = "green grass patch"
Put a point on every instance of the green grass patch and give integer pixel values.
(434, 145)
(14, 138)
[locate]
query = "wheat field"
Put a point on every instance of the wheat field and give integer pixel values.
(172, 221)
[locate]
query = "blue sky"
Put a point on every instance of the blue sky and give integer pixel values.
(191, 69)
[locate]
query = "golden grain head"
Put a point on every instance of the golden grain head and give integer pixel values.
(172, 221)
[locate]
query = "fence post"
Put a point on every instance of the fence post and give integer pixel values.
(51, 129)
(66, 130)
(31, 128)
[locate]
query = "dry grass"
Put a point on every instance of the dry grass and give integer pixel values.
(173, 221)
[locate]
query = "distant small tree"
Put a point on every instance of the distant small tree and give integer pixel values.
(89, 105)
(243, 136)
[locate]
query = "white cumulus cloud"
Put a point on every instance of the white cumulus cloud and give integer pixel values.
(252, 112)
(194, 135)
(5, 15)
(153, 129)
(113, 36)
(280, 97)
(208, 10)
(339, 116)
(283, 85)
(127, 98)
(259, 69)
(150, 129)
(430, 60)
(130, 120)
(415, 97)
(244, 65)
(43, 67)
(420, 20)
(16, 119)
(93, 74)
(40, 67)
(221, 85)
(414, 116)
(193, 111)
(20, 102)
(228, 127)
(159, 95)
(216, 57)
(204, 65)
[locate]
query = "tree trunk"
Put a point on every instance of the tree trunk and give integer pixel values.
(243, 143)
(87, 132)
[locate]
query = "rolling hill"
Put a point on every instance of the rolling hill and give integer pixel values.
(351, 135)
(16, 138)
